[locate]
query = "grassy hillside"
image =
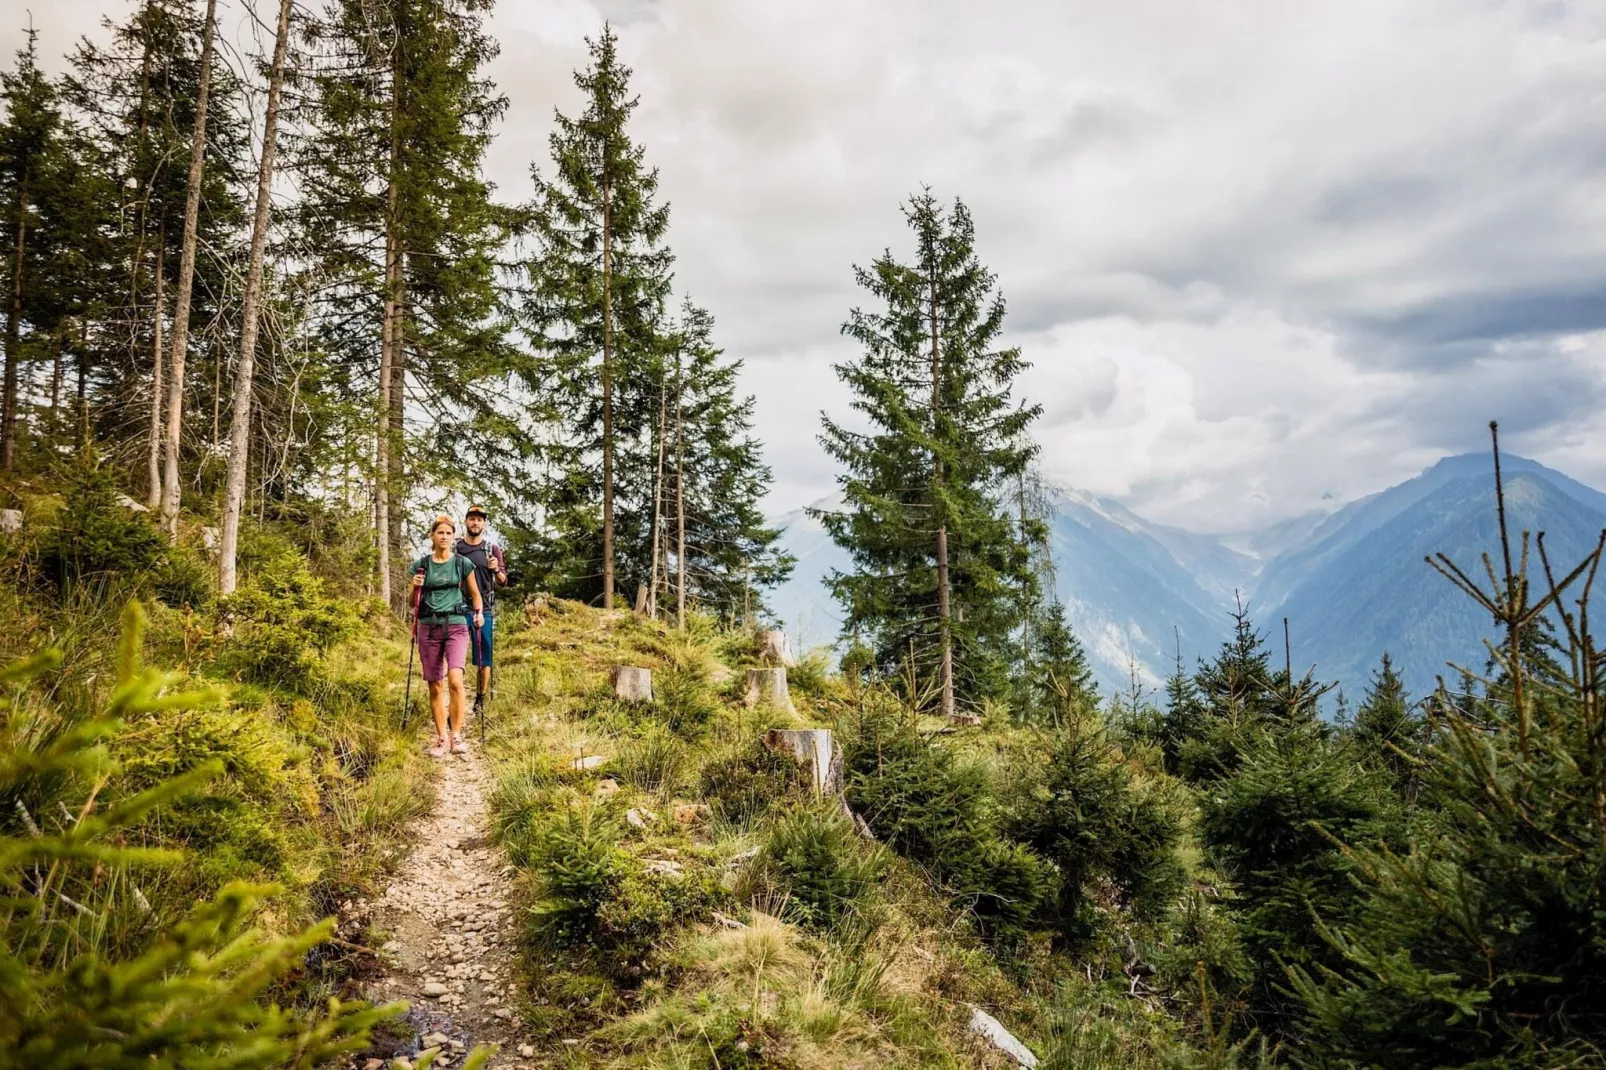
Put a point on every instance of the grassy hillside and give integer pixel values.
(691, 902)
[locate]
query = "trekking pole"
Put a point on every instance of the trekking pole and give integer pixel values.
(412, 645)
(479, 706)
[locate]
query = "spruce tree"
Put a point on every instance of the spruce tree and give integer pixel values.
(405, 258)
(1386, 730)
(594, 307)
(136, 95)
(27, 138)
(54, 197)
(724, 553)
(940, 570)
(1485, 945)
(1057, 681)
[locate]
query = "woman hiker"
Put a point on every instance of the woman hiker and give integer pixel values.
(442, 578)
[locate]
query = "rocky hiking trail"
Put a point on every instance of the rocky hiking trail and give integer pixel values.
(450, 950)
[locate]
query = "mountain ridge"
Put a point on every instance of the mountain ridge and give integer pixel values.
(1351, 580)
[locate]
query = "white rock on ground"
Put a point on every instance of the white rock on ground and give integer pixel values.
(446, 909)
(985, 1025)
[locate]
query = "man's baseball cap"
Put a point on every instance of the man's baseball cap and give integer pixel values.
(476, 510)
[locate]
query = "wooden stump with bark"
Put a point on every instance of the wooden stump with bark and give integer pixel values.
(768, 687)
(632, 683)
(812, 747)
(776, 650)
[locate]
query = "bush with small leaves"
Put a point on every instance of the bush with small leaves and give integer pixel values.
(818, 859)
(284, 621)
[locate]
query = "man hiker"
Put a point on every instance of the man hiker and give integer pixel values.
(447, 589)
(490, 570)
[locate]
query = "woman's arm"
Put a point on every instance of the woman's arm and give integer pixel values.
(474, 589)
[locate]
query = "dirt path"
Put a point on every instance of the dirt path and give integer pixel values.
(452, 934)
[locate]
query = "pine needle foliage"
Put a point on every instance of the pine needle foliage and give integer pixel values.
(194, 996)
(1484, 943)
(946, 444)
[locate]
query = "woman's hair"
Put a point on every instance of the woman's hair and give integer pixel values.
(443, 519)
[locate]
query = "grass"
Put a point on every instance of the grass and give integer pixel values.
(885, 982)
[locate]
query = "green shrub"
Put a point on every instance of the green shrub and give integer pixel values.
(1094, 820)
(576, 856)
(811, 675)
(191, 994)
(928, 805)
(643, 907)
(742, 785)
(93, 535)
(817, 858)
(284, 622)
(183, 579)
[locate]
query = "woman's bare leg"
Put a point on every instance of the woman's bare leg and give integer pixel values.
(437, 705)
(459, 698)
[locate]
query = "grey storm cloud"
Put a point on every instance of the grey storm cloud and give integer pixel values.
(1258, 252)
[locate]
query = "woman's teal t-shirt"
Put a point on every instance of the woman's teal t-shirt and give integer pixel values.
(443, 594)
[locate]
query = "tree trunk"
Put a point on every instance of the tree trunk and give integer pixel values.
(186, 282)
(55, 385)
(8, 403)
(658, 499)
(387, 328)
(240, 424)
(607, 397)
(398, 400)
(680, 504)
(945, 626)
(83, 397)
(153, 498)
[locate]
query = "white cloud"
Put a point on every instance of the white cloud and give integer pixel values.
(1257, 252)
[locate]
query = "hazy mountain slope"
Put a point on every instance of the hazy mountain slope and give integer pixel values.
(802, 604)
(1370, 590)
(1339, 532)
(1130, 596)
(1353, 582)
(1126, 584)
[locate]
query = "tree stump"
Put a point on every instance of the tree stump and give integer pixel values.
(209, 539)
(775, 651)
(812, 747)
(632, 684)
(768, 686)
(10, 521)
(641, 600)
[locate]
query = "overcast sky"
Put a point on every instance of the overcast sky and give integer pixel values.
(1257, 252)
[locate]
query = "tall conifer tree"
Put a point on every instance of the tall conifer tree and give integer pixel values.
(598, 283)
(727, 555)
(408, 230)
(940, 570)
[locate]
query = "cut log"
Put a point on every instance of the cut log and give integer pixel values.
(812, 747)
(985, 1025)
(632, 684)
(776, 650)
(10, 521)
(768, 686)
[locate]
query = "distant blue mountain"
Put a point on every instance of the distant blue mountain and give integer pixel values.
(1352, 582)
(1362, 585)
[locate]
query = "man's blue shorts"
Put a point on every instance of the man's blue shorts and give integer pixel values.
(480, 646)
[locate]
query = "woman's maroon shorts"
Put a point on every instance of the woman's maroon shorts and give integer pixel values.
(442, 647)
